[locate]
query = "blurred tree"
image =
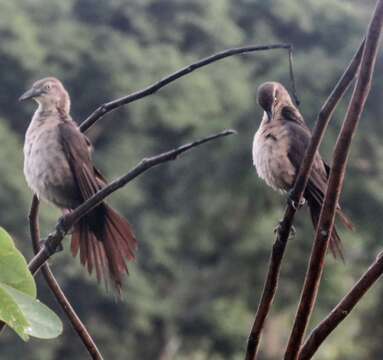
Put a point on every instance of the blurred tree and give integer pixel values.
(204, 223)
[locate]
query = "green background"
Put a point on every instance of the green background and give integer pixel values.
(205, 222)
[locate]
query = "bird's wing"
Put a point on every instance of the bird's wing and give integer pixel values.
(290, 113)
(327, 167)
(295, 122)
(77, 151)
(299, 140)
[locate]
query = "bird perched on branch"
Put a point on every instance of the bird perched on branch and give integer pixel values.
(58, 168)
(279, 147)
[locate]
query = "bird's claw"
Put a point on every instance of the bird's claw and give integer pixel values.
(49, 247)
(60, 227)
(276, 229)
(294, 204)
(292, 230)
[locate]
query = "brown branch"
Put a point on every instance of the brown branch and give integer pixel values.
(102, 110)
(67, 221)
(335, 183)
(341, 311)
(284, 228)
(54, 286)
(112, 105)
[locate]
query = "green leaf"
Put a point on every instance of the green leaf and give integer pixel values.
(13, 266)
(40, 321)
(11, 314)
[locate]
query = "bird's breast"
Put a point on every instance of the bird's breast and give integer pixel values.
(270, 157)
(46, 168)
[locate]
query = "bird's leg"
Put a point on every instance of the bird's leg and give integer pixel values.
(293, 203)
(51, 244)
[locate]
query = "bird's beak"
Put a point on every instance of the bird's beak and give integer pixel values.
(31, 93)
(269, 114)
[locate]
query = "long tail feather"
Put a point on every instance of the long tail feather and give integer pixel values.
(335, 244)
(106, 242)
(345, 220)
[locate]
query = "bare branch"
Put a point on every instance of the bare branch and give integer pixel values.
(112, 105)
(284, 228)
(335, 183)
(67, 221)
(76, 322)
(341, 311)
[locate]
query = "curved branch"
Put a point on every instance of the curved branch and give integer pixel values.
(67, 221)
(341, 311)
(54, 286)
(112, 105)
(283, 232)
(335, 183)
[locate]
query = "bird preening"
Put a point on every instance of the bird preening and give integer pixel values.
(278, 149)
(59, 169)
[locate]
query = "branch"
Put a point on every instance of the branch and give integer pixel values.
(78, 326)
(112, 105)
(67, 221)
(335, 183)
(341, 311)
(284, 228)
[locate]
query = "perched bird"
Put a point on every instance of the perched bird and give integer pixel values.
(58, 168)
(278, 149)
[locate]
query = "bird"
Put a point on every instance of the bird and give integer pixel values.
(278, 149)
(58, 168)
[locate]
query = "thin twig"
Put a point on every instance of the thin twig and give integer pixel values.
(67, 221)
(76, 322)
(342, 309)
(335, 183)
(292, 78)
(284, 228)
(112, 105)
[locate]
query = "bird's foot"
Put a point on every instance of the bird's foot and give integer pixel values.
(50, 247)
(293, 203)
(292, 233)
(53, 242)
(61, 227)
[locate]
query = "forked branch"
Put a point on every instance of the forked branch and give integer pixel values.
(65, 304)
(67, 221)
(341, 311)
(284, 229)
(335, 183)
(113, 105)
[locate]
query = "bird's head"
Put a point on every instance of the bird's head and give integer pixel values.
(270, 95)
(49, 93)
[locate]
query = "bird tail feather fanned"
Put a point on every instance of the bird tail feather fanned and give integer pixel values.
(106, 242)
(335, 244)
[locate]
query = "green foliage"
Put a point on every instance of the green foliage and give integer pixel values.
(204, 223)
(36, 319)
(13, 267)
(12, 315)
(19, 308)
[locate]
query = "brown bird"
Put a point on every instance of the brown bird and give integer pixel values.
(58, 168)
(278, 149)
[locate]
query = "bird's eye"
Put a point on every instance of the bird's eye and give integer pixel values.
(47, 87)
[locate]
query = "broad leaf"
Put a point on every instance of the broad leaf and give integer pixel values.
(41, 322)
(12, 315)
(13, 266)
